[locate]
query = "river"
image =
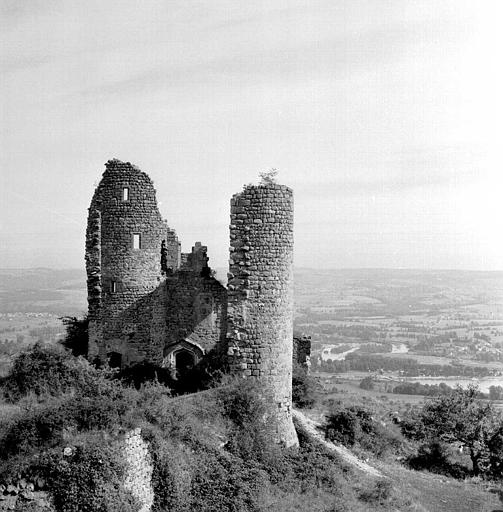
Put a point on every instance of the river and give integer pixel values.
(326, 355)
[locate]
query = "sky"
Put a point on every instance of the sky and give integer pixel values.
(383, 116)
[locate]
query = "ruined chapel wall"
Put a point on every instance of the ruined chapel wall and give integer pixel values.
(196, 310)
(260, 296)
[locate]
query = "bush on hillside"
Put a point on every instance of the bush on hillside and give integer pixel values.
(211, 451)
(45, 370)
(495, 448)
(226, 484)
(33, 430)
(367, 383)
(172, 472)
(347, 425)
(200, 377)
(249, 435)
(142, 373)
(45, 425)
(355, 425)
(379, 494)
(89, 477)
(77, 335)
(434, 456)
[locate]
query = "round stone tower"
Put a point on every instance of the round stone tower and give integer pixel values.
(260, 297)
(125, 233)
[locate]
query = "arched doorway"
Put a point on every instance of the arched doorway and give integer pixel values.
(184, 361)
(181, 357)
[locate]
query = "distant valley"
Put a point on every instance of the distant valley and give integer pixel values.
(397, 325)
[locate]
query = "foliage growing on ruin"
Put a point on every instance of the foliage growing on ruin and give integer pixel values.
(268, 177)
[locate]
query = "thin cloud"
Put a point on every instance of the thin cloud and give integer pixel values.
(322, 56)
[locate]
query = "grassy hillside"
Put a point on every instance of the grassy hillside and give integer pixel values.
(63, 425)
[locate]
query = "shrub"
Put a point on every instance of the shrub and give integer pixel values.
(343, 426)
(176, 418)
(495, 448)
(106, 405)
(355, 425)
(434, 456)
(144, 372)
(379, 494)
(88, 479)
(348, 424)
(367, 383)
(249, 434)
(45, 370)
(200, 377)
(201, 480)
(226, 484)
(39, 428)
(77, 335)
(171, 476)
(382, 440)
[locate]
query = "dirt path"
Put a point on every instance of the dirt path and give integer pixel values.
(312, 427)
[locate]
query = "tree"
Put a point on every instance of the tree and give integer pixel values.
(268, 177)
(462, 418)
(77, 336)
(367, 383)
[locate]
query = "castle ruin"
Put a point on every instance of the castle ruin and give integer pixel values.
(148, 301)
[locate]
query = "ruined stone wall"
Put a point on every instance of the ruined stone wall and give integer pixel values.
(173, 249)
(121, 278)
(189, 311)
(260, 297)
(196, 310)
(302, 350)
(139, 468)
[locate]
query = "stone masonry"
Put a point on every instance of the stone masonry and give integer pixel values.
(260, 297)
(142, 304)
(138, 478)
(148, 301)
(123, 213)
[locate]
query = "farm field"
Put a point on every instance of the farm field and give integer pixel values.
(403, 326)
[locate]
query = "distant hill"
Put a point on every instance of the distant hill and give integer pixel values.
(43, 290)
(63, 292)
